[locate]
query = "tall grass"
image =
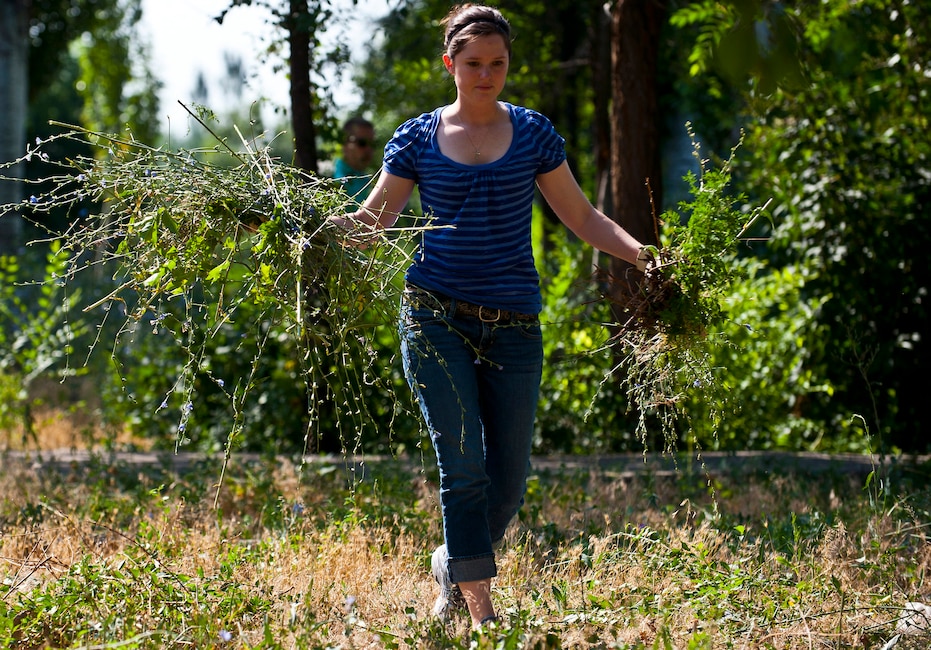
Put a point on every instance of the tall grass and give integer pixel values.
(111, 555)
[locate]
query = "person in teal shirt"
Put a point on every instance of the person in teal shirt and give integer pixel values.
(358, 149)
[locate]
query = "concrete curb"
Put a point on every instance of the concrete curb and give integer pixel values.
(620, 465)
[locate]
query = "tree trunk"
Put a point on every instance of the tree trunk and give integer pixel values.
(300, 28)
(600, 39)
(635, 155)
(14, 67)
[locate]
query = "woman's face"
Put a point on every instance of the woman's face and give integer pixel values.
(480, 69)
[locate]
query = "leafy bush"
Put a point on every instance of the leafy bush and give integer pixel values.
(765, 372)
(38, 329)
(844, 158)
(579, 413)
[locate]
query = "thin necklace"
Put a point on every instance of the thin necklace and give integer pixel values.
(477, 150)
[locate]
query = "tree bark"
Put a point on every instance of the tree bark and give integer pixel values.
(300, 28)
(14, 68)
(635, 154)
(600, 39)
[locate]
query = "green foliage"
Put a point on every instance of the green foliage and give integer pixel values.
(108, 56)
(38, 329)
(56, 24)
(100, 36)
(241, 268)
(578, 411)
(712, 21)
(88, 66)
(742, 40)
(845, 160)
(764, 371)
(843, 157)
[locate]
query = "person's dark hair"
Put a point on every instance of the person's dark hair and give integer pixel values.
(468, 21)
(354, 122)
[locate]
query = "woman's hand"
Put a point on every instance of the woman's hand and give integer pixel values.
(356, 233)
(379, 211)
(646, 259)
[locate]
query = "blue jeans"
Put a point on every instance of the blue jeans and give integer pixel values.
(478, 384)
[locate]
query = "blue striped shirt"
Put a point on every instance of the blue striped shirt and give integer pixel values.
(486, 256)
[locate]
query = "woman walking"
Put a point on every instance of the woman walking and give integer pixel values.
(471, 339)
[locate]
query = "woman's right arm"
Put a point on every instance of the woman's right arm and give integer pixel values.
(382, 207)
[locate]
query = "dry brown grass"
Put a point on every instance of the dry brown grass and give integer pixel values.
(66, 415)
(628, 562)
(598, 560)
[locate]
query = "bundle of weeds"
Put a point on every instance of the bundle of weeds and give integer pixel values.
(187, 238)
(674, 309)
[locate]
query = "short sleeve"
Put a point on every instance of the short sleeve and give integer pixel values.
(403, 149)
(552, 146)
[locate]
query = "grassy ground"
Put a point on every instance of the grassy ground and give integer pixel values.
(111, 555)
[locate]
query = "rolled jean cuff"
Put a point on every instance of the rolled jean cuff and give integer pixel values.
(470, 569)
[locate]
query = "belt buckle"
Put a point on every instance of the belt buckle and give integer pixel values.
(482, 318)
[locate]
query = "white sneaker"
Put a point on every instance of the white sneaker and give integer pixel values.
(450, 598)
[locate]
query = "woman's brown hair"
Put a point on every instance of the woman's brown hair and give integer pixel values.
(467, 21)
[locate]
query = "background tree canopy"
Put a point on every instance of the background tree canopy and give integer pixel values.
(70, 61)
(845, 157)
(827, 100)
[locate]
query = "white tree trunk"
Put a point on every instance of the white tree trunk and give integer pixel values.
(14, 67)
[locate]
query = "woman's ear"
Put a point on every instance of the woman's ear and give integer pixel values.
(448, 62)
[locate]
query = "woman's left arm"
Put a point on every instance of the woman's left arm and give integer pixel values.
(562, 192)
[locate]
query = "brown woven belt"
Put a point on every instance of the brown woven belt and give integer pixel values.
(467, 309)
